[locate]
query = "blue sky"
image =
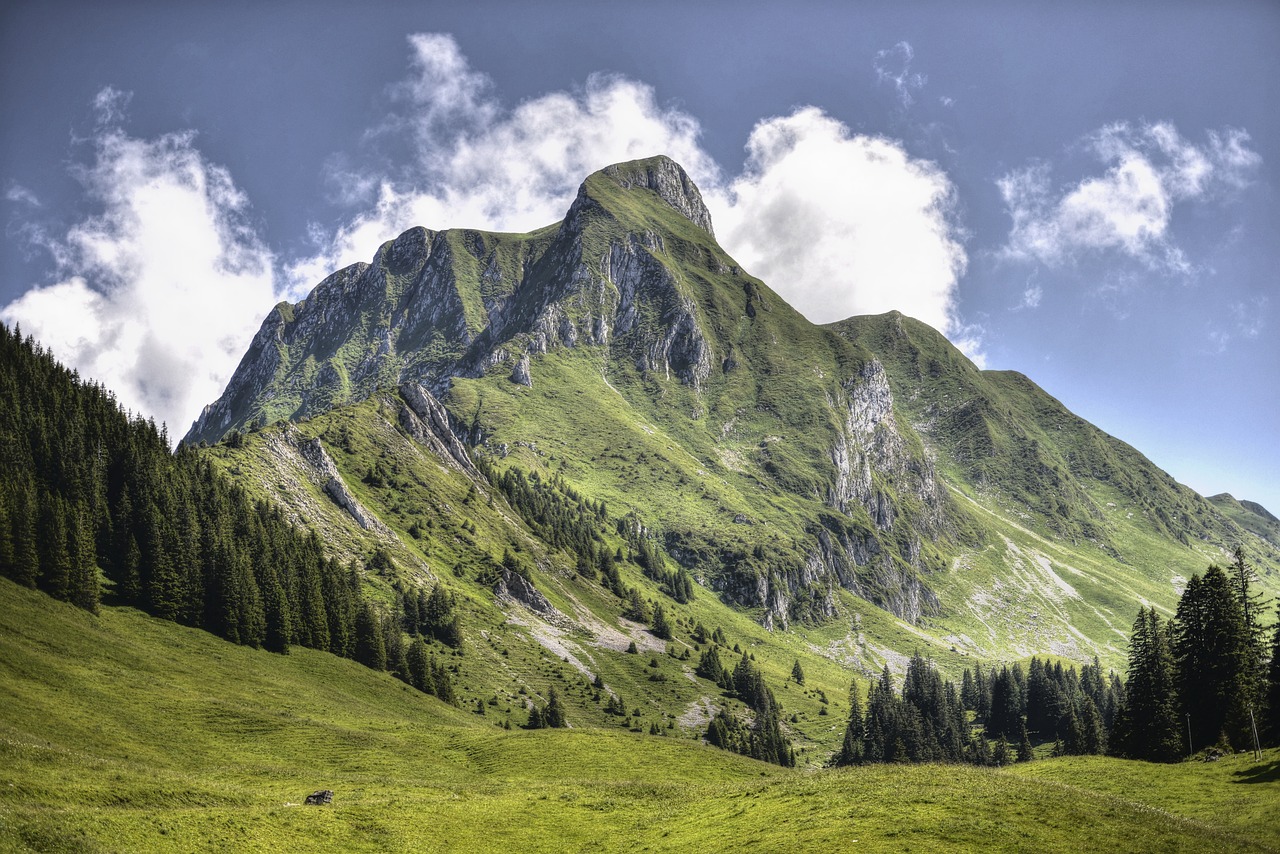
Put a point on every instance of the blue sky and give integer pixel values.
(1083, 192)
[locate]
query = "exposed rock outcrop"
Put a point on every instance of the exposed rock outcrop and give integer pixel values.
(326, 475)
(425, 419)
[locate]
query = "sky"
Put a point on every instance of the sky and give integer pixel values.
(1086, 193)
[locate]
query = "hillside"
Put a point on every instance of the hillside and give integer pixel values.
(122, 732)
(862, 485)
(1249, 515)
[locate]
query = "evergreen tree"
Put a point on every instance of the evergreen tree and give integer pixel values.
(851, 748)
(1243, 582)
(1005, 716)
(968, 691)
(1273, 687)
(1147, 725)
(554, 715)
(660, 626)
(1001, 756)
(1213, 660)
(1025, 752)
(797, 674)
(419, 663)
(370, 649)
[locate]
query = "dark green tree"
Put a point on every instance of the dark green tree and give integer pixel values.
(851, 748)
(1147, 724)
(1213, 655)
(370, 649)
(554, 714)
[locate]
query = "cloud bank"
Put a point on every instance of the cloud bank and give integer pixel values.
(159, 294)
(838, 223)
(1128, 209)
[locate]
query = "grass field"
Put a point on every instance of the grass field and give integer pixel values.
(119, 732)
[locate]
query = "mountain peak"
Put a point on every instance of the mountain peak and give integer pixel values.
(668, 180)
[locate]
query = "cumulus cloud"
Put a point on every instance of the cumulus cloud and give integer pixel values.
(842, 223)
(159, 293)
(1129, 208)
(893, 66)
(475, 164)
(838, 223)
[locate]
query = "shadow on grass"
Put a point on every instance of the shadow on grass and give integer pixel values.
(1266, 773)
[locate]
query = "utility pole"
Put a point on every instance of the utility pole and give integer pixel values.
(1190, 751)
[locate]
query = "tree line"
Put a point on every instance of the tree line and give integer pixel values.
(1205, 678)
(85, 486)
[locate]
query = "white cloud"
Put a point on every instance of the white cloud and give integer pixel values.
(839, 224)
(478, 165)
(1129, 208)
(893, 66)
(157, 295)
(843, 224)
(19, 194)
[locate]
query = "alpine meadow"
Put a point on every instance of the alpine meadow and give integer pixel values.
(584, 539)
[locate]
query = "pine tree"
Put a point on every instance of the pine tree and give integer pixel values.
(1147, 725)
(851, 749)
(797, 674)
(1243, 582)
(419, 666)
(1025, 752)
(968, 691)
(1213, 658)
(1005, 716)
(369, 647)
(661, 627)
(1001, 755)
(554, 715)
(1273, 686)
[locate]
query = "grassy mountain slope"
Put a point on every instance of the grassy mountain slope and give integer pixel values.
(1249, 515)
(121, 732)
(862, 485)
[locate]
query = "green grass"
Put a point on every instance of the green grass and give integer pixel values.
(119, 732)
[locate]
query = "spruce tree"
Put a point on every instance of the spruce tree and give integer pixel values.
(419, 666)
(1213, 658)
(369, 647)
(661, 627)
(1025, 752)
(851, 749)
(1147, 725)
(554, 714)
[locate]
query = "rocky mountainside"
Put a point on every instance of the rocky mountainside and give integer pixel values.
(792, 469)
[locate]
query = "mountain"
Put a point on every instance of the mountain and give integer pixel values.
(621, 356)
(1249, 515)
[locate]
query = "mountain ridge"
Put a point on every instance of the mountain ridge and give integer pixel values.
(778, 461)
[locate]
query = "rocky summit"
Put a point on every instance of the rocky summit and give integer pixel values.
(792, 469)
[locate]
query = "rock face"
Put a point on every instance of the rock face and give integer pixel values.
(435, 305)
(325, 474)
(425, 419)
(513, 587)
(665, 177)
